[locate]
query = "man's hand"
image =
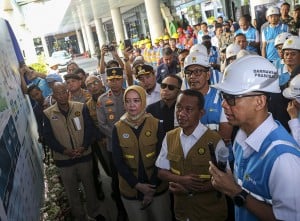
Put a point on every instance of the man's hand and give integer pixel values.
(127, 53)
(224, 182)
(292, 109)
(145, 188)
(177, 188)
(104, 50)
(78, 151)
(191, 182)
(69, 153)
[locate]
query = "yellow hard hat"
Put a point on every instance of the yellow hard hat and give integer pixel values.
(156, 40)
(175, 35)
(166, 37)
(146, 41)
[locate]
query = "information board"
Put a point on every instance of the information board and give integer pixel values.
(21, 168)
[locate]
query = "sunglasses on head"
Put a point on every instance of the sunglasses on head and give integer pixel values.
(169, 86)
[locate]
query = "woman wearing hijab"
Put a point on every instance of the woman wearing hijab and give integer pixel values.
(136, 143)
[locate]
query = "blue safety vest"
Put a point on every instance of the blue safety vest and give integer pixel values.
(213, 109)
(215, 76)
(270, 34)
(253, 172)
(250, 36)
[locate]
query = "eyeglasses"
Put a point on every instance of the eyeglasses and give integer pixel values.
(95, 83)
(169, 86)
(230, 98)
(196, 72)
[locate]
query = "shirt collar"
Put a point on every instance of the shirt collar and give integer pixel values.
(261, 132)
(197, 133)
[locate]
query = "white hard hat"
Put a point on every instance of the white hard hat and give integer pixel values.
(247, 74)
(196, 58)
(293, 90)
(292, 42)
(52, 63)
(272, 11)
(242, 53)
(280, 39)
(199, 48)
(232, 50)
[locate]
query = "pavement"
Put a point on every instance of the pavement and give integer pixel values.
(108, 205)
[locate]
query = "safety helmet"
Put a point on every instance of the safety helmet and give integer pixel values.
(280, 39)
(292, 42)
(196, 58)
(175, 35)
(293, 91)
(272, 11)
(156, 40)
(232, 50)
(242, 53)
(247, 74)
(199, 48)
(147, 40)
(166, 37)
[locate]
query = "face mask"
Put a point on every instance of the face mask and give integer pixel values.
(298, 100)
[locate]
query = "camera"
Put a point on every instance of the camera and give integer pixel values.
(110, 47)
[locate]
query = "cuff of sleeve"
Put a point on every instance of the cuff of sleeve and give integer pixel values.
(293, 122)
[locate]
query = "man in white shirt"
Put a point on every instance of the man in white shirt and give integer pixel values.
(183, 161)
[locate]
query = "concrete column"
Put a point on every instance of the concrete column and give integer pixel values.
(98, 25)
(89, 33)
(125, 31)
(100, 31)
(45, 47)
(118, 24)
(83, 31)
(154, 18)
(80, 42)
(90, 38)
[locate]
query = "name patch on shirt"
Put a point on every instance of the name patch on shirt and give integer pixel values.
(109, 103)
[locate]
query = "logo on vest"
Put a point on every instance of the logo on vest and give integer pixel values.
(54, 117)
(148, 133)
(126, 136)
(77, 113)
(249, 179)
(111, 117)
(201, 150)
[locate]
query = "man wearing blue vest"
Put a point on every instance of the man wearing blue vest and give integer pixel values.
(270, 32)
(252, 35)
(266, 180)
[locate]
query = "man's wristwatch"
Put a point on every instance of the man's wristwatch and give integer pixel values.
(240, 199)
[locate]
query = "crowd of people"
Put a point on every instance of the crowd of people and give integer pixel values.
(157, 116)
